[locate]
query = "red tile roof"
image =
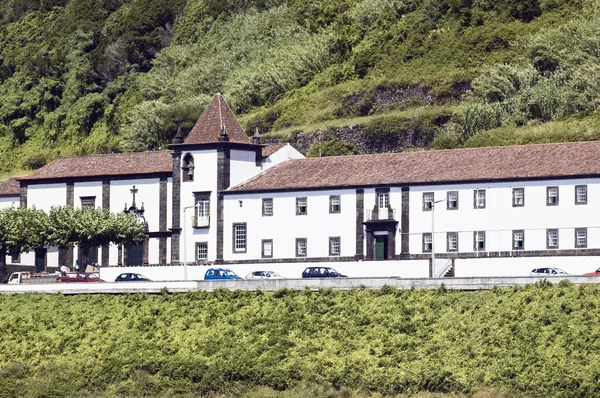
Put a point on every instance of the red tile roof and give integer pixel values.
(215, 117)
(10, 187)
(117, 164)
(432, 167)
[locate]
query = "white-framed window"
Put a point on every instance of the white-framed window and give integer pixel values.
(452, 241)
(479, 241)
(479, 199)
(428, 199)
(267, 207)
(518, 239)
(552, 238)
(301, 206)
(427, 242)
(581, 194)
(301, 247)
(334, 246)
(239, 238)
(581, 237)
(267, 248)
(518, 197)
(202, 216)
(452, 200)
(202, 251)
(552, 196)
(383, 199)
(335, 204)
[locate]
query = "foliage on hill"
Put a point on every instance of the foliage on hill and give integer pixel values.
(78, 76)
(540, 340)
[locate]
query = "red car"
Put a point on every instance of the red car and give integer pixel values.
(595, 273)
(70, 278)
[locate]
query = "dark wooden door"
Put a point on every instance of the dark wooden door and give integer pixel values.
(40, 260)
(135, 255)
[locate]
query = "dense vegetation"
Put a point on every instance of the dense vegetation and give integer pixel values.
(540, 340)
(81, 76)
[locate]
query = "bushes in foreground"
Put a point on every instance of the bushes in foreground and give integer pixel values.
(534, 341)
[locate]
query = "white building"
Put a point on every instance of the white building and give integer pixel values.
(219, 198)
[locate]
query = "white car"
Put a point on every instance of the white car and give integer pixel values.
(548, 272)
(263, 275)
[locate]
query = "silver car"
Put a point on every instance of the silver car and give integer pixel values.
(548, 272)
(263, 275)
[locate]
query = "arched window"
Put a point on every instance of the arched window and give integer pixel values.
(188, 168)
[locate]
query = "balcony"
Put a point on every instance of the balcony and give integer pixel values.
(378, 214)
(201, 222)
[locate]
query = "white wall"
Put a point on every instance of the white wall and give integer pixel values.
(88, 188)
(242, 166)
(500, 218)
(281, 155)
(404, 269)
(205, 180)
(317, 226)
(9, 201)
(522, 266)
(44, 196)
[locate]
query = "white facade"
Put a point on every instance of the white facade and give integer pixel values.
(500, 218)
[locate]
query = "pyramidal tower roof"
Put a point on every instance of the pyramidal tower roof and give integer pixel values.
(217, 124)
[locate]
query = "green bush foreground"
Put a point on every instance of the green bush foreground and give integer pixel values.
(540, 340)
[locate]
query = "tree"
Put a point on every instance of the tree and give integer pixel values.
(89, 227)
(21, 230)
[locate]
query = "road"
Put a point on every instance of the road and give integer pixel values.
(473, 283)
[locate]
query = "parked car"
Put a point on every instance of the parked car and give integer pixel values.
(72, 278)
(595, 273)
(548, 272)
(131, 277)
(220, 273)
(321, 272)
(263, 275)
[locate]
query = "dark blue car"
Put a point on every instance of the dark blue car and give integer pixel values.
(220, 273)
(321, 272)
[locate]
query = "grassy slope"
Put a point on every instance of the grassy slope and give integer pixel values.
(124, 77)
(535, 341)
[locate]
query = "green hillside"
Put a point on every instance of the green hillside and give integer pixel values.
(536, 341)
(351, 76)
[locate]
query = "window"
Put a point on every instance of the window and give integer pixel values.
(452, 200)
(552, 196)
(479, 241)
(301, 247)
(452, 241)
(427, 243)
(239, 238)
(335, 204)
(581, 194)
(518, 195)
(301, 206)
(518, 240)
(580, 237)
(88, 201)
(334, 246)
(267, 248)
(202, 209)
(267, 207)
(552, 238)
(428, 198)
(202, 251)
(479, 199)
(383, 198)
